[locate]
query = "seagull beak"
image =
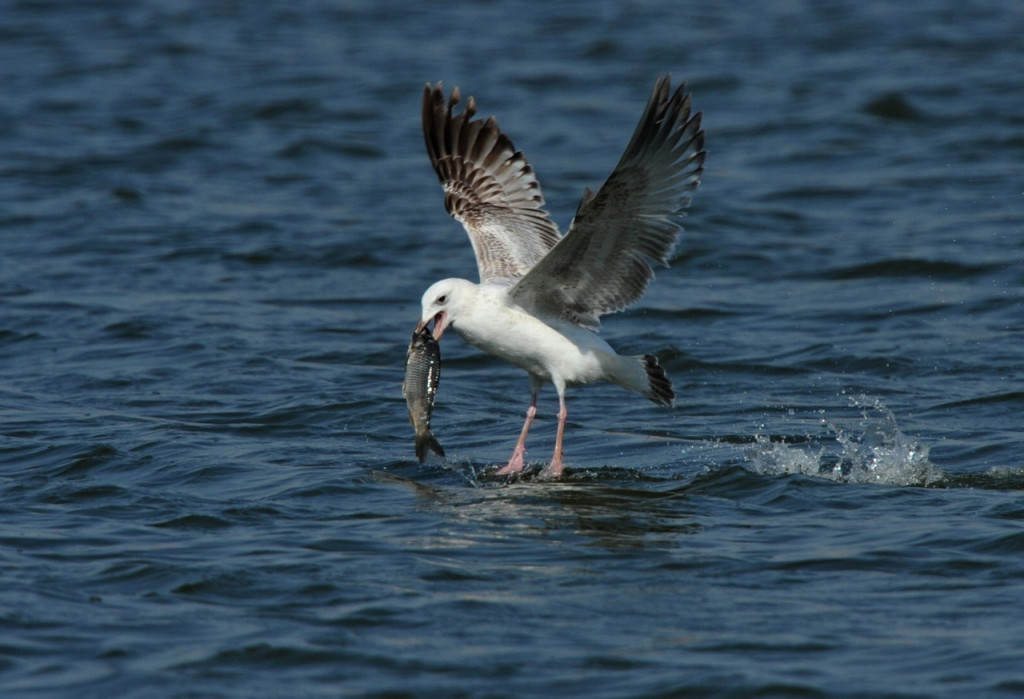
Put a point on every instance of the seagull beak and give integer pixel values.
(440, 324)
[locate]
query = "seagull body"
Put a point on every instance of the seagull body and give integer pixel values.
(540, 297)
(551, 350)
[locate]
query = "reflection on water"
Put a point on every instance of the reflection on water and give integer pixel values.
(603, 505)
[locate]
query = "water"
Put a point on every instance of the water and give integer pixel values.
(216, 220)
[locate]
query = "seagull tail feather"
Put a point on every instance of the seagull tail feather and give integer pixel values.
(642, 373)
(658, 384)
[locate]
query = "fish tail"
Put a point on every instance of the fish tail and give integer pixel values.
(424, 440)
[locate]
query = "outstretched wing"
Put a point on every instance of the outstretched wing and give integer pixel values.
(488, 187)
(603, 264)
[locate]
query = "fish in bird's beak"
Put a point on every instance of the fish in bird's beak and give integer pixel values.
(440, 325)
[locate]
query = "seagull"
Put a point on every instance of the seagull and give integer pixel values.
(541, 295)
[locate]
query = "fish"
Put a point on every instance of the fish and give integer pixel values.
(422, 375)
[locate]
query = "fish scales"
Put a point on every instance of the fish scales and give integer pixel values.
(422, 376)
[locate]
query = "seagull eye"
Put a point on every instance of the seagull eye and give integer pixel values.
(442, 298)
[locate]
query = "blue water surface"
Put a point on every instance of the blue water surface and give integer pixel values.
(216, 221)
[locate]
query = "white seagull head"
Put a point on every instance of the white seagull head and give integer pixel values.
(442, 303)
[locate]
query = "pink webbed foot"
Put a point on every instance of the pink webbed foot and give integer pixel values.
(514, 465)
(552, 471)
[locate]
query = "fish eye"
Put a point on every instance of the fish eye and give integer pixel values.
(442, 298)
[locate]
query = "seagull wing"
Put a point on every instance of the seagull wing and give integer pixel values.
(603, 264)
(488, 187)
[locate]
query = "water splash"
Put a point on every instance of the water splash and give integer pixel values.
(871, 450)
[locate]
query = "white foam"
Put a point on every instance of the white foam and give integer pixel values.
(871, 450)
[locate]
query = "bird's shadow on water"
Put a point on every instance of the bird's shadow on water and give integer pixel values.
(534, 474)
(616, 508)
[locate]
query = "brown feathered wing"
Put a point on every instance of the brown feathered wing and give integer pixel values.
(488, 187)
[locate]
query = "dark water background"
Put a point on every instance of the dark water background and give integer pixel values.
(216, 220)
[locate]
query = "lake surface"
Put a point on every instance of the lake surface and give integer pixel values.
(217, 219)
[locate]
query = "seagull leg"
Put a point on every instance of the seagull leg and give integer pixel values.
(516, 463)
(554, 469)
